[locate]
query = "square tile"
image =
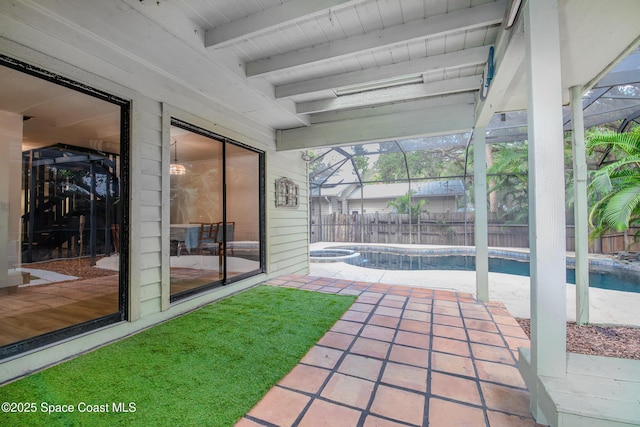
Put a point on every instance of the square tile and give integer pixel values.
(347, 390)
(392, 303)
(413, 339)
(394, 298)
(355, 316)
(347, 327)
(450, 332)
(415, 326)
(476, 314)
(481, 325)
(492, 353)
(322, 356)
(515, 343)
(414, 304)
(451, 414)
(405, 376)
(452, 364)
(442, 319)
(499, 373)
(446, 345)
(305, 378)
(409, 355)
(485, 338)
(513, 331)
(421, 316)
(505, 399)
(365, 308)
(455, 388)
(378, 333)
(399, 405)
(386, 321)
(361, 366)
(505, 320)
(279, 406)
(445, 298)
(389, 311)
(322, 413)
(448, 311)
(373, 348)
(336, 340)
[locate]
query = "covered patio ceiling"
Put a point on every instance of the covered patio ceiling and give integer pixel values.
(326, 73)
(614, 100)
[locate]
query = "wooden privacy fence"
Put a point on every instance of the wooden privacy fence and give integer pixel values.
(440, 229)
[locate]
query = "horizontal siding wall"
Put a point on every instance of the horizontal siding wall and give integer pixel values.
(288, 229)
(146, 206)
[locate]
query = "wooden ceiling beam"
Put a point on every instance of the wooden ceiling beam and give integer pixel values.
(271, 19)
(459, 59)
(407, 124)
(391, 94)
(433, 26)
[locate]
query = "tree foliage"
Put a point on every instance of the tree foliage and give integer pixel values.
(391, 166)
(616, 183)
(509, 180)
(404, 204)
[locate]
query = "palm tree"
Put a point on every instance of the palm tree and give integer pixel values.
(509, 181)
(617, 182)
(403, 205)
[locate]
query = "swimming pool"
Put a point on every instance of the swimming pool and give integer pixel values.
(602, 276)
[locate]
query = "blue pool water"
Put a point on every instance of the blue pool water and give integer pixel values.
(611, 278)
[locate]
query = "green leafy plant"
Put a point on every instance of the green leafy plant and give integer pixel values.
(404, 204)
(616, 184)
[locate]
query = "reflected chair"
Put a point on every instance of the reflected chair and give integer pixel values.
(229, 228)
(207, 237)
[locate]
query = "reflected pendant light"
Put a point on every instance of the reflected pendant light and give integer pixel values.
(176, 168)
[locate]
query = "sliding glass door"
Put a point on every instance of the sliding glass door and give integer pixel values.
(215, 210)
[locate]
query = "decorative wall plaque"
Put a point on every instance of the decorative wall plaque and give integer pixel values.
(287, 193)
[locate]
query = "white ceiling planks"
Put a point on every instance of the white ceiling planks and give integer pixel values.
(284, 64)
(433, 26)
(272, 19)
(432, 64)
(309, 49)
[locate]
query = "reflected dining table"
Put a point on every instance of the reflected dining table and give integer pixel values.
(186, 235)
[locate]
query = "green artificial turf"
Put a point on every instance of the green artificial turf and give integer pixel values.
(208, 367)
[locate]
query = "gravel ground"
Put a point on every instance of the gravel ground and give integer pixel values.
(611, 341)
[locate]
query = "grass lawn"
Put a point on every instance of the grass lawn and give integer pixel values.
(208, 367)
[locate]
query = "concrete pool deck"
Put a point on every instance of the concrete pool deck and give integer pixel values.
(606, 307)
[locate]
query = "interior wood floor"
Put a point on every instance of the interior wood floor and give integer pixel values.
(36, 310)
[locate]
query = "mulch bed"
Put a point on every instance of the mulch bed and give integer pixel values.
(610, 341)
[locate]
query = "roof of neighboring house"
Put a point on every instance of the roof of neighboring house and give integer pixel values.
(332, 190)
(422, 190)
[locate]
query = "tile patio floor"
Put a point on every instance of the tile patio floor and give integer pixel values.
(403, 356)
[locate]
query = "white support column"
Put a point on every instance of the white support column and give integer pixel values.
(546, 194)
(481, 229)
(580, 208)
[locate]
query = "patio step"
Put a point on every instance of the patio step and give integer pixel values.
(597, 392)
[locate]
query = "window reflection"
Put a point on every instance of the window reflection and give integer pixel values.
(243, 210)
(209, 244)
(59, 265)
